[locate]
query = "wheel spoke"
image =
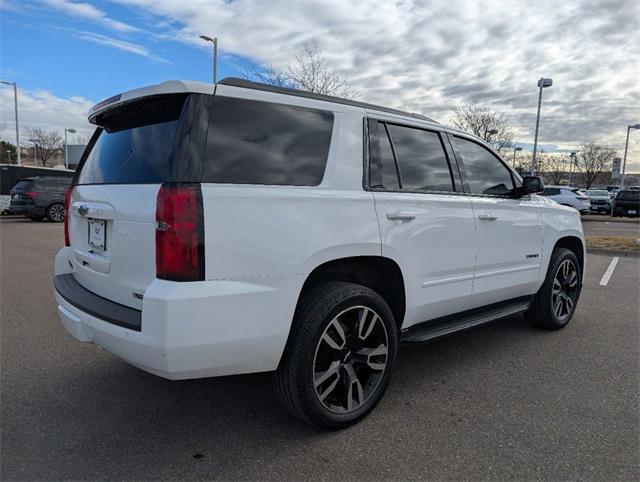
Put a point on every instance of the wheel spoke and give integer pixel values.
(355, 393)
(573, 279)
(373, 357)
(558, 308)
(365, 328)
(334, 335)
(322, 377)
(569, 303)
(556, 286)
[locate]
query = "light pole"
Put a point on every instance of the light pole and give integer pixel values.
(542, 83)
(572, 156)
(15, 100)
(66, 146)
(488, 133)
(515, 149)
(626, 147)
(213, 40)
(35, 150)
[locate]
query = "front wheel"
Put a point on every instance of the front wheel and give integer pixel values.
(555, 303)
(339, 357)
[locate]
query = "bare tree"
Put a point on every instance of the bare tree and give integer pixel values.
(551, 167)
(307, 72)
(484, 122)
(593, 160)
(46, 142)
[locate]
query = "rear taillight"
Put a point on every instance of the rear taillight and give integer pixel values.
(31, 194)
(67, 206)
(179, 233)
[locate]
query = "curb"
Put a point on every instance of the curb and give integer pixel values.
(614, 252)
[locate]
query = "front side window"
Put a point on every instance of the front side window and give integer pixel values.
(486, 174)
(252, 142)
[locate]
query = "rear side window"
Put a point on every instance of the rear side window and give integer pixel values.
(383, 168)
(486, 174)
(142, 142)
(421, 159)
(551, 191)
(252, 142)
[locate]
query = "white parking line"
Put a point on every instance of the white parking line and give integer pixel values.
(607, 274)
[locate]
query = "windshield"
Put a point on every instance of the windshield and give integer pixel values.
(598, 193)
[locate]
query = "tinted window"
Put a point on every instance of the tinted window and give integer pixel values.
(143, 141)
(251, 142)
(421, 159)
(628, 195)
(550, 191)
(25, 184)
(384, 173)
(485, 173)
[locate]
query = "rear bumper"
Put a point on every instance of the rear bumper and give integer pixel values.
(20, 208)
(191, 330)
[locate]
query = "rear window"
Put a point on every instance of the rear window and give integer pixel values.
(253, 142)
(629, 195)
(24, 184)
(143, 142)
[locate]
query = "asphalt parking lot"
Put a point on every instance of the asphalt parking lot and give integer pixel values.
(606, 226)
(504, 401)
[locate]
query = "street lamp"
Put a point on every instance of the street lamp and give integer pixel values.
(66, 146)
(626, 147)
(15, 100)
(542, 84)
(488, 133)
(573, 161)
(515, 149)
(213, 40)
(35, 150)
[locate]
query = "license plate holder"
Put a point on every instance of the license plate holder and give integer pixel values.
(98, 234)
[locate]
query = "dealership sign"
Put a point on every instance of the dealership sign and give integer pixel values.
(615, 168)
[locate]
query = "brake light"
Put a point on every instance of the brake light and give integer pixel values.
(67, 206)
(179, 233)
(31, 194)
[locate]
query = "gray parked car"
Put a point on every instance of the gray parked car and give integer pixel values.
(40, 197)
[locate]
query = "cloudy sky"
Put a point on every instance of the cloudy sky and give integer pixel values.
(425, 56)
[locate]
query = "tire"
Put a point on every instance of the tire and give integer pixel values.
(332, 386)
(556, 301)
(55, 213)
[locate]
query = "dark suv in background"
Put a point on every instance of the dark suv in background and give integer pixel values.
(40, 197)
(627, 203)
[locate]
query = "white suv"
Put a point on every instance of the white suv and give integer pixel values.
(569, 196)
(238, 227)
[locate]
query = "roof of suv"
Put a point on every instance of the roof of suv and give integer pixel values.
(179, 86)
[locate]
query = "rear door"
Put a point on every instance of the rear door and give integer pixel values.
(508, 229)
(426, 222)
(138, 146)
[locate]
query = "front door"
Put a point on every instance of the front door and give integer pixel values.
(508, 229)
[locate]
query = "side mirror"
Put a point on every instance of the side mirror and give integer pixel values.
(531, 185)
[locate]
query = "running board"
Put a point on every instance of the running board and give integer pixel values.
(465, 320)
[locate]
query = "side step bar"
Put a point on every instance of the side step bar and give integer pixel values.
(429, 330)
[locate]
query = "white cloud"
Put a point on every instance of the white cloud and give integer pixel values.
(430, 56)
(43, 109)
(119, 44)
(87, 11)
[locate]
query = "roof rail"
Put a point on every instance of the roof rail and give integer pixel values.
(249, 84)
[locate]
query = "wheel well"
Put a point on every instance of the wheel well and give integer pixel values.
(574, 244)
(382, 275)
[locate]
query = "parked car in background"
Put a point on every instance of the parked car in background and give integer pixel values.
(568, 196)
(600, 200)
(40, 197)
(627, 203)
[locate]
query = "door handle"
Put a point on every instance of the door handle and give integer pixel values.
(401, 216)
(487, 217)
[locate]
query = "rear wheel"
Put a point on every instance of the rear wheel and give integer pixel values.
(55, 213)
(555, 303)
(339, 357)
